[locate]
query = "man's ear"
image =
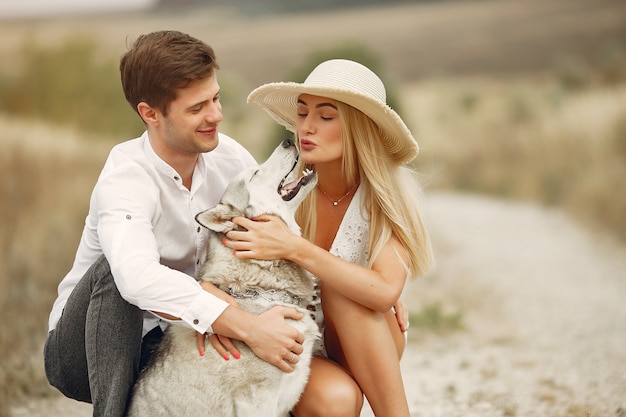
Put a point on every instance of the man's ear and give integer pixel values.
(147, 113)
(218, 218)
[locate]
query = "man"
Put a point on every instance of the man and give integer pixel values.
(135, 263)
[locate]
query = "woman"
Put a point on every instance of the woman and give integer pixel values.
(362, 232)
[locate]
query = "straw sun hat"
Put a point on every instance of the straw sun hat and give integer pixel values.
(348, 82)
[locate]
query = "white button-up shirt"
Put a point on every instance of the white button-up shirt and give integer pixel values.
(143, 219)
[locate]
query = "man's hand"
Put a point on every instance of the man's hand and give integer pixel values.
(269, 335)
(274, 340)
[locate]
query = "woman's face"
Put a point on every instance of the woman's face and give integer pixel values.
(319, 130)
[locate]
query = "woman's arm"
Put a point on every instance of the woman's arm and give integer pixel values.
(378, 288)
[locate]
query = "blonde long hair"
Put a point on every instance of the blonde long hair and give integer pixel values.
(391, 194)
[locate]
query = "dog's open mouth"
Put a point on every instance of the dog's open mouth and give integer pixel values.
(290, 190)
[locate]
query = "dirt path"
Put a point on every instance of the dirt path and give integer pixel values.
(543, 303)
(545, 312)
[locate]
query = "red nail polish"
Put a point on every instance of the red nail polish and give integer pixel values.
(226, 357)
(237, 355)
(223, 241)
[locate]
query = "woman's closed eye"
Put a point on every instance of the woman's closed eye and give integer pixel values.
(323, 117)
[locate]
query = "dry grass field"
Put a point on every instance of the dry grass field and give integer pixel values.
(521, 99)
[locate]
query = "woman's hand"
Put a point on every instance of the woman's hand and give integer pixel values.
(211, 288)
(402, 315)
(223, 345)
(266, 237)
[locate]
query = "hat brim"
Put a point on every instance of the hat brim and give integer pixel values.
(280, 101)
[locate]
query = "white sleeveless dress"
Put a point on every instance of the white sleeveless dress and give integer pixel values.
(351, 244)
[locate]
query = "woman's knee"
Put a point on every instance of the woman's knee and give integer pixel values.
(341, 400)
(334, 400)
(330, 392)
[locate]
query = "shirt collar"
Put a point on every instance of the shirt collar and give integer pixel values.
(167, 170)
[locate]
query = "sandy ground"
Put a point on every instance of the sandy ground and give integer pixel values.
(544, 313)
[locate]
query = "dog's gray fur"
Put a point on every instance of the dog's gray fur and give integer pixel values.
(178, 381)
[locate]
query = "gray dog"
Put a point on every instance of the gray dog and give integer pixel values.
(181, 383)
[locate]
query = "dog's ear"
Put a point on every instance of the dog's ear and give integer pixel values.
(218, 218)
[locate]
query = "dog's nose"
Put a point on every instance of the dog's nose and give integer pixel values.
(288, 143)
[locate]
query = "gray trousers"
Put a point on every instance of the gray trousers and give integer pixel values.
(95, 352)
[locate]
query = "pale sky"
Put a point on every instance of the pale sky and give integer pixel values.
(33, 8)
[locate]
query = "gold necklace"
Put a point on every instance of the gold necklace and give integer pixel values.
(336, 202)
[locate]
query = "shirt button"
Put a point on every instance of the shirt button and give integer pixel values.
(176, 177)
(198, 229)
(196, 321)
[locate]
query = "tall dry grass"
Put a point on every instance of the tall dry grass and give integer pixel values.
(527, 139)
(46, 175)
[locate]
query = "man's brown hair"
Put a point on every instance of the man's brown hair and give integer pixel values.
(159, 63)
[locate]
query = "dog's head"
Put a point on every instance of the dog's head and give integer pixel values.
(270, 188)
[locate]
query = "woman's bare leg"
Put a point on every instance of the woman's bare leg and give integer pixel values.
(330, 392)
(369, 345)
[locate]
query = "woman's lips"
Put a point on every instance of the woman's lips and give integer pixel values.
(306, 145)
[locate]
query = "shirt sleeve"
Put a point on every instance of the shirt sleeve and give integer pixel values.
(128, 204)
